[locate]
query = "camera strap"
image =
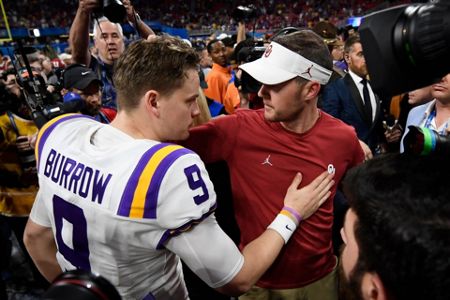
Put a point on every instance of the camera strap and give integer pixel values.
(13, 122)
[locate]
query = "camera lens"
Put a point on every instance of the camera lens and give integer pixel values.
(114, 10)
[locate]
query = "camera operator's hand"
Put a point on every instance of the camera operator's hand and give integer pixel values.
(23, 143)
(393, 135)
(309, 198)
(87, 6)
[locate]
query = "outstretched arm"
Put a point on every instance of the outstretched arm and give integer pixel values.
(221, 265)
(79, 32)
(133, 18)
(262, 252)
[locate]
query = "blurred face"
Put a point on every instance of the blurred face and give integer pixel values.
(11, 85)
(350, 282)
(179, 109)
(37, 66)
(92, 97)
(228, 51)
(47, 65)
(109, 42)
(205, 59)
(441, 90)
(337, 52)
(420, 96)
(349, 254)
(282, 102)
(356, 61)
(218, 54)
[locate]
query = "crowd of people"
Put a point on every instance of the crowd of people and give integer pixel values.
(126, 166)
(199, 14)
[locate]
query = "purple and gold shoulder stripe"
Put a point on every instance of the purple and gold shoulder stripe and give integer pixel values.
(140, 197)
(48, 127)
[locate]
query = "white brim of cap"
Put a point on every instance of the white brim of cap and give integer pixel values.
(266, 73)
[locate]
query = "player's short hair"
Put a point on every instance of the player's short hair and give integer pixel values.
(403, 223)
(159, 64)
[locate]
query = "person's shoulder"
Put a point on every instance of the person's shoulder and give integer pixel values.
(166, 155)
(335, 125)
(335, 85)
(420, 108)
(94, 63)
(251, 115)
(66, 119)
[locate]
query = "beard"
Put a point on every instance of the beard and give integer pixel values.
(350, 288)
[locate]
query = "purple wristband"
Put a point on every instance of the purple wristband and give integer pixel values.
(294, 213)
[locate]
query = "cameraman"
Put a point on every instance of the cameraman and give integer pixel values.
(435, 114)
(18, 179)
(108, 40)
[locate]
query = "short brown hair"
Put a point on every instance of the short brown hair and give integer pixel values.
(159, 64)
(309, 45)
(353, 39)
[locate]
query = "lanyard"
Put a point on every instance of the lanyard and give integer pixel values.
(430, 118)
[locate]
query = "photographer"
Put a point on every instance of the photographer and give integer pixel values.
(18, 179)
(435, 114)
(108, 40)
(245, 88)
(11, 85)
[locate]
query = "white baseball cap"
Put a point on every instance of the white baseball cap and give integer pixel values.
(279, 64)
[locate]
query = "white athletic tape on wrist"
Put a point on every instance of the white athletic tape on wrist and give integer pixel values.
(284, 226)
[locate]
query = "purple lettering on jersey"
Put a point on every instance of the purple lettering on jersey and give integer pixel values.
(78, 254)
(67, 169)
(128, 194)
(76, 175)
(169, 233)
(196, 183)
(49, 163)
(57, 166)
(99, 186)
(151, 198)
(47, 130)
(85, 182)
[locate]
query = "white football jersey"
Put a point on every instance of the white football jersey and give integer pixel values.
(115, 202)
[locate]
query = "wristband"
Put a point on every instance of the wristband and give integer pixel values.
(291, 213)
(284, 225)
